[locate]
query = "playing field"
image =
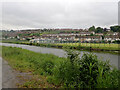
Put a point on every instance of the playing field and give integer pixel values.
(93, 45)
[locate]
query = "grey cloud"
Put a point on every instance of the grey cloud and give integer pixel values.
(56, 14)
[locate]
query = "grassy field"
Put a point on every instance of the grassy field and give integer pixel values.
(14, 41)
(57, 72)
(94, 45)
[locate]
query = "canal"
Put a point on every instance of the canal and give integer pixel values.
(114, 59)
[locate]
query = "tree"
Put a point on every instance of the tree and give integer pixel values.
(116, 41)
(44, 29)
(109, 41)
(102, 37)
(12, 31)
(92, 28)
(27, 39)
(6, 37)
(105, 29)
(115, 28)
(99, 30)
(16, 37)
(91, 34)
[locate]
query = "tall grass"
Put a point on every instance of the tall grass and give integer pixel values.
(25, 60)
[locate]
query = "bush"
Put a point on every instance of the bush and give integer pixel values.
(84, 72)
(116, 41)
(89, 65)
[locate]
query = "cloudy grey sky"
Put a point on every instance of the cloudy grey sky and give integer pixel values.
(59, 14)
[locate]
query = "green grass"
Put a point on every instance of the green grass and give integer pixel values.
(14, 41)
(94, 45)
(27, 61)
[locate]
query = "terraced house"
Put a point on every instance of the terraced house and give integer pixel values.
(88, 38)
(67, 37)
(112, 38)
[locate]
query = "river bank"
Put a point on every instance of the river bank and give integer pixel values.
(28, 69)
(85, 47)
(51, 66)
(113, 58)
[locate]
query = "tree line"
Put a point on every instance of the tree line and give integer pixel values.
(102, 30)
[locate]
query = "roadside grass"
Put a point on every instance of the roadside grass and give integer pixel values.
(27, 61)
(52, 71)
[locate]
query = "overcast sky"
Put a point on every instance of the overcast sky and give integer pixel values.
(58, 14)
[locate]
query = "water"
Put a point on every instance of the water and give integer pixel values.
(61, 53)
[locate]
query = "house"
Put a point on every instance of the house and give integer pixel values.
(116, 33)
(110, 33)
(100, 34)
(85, 33)
(72, 37)
(69, 34)
(42, 41)
(113, 33)
(108, 30)
(112, 38)
(89, 38)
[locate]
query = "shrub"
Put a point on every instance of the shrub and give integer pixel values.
(84, 72)
(89, 65)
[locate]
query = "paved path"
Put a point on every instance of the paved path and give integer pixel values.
(9, 78)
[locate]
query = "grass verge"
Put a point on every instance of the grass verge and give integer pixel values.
(27, 61)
